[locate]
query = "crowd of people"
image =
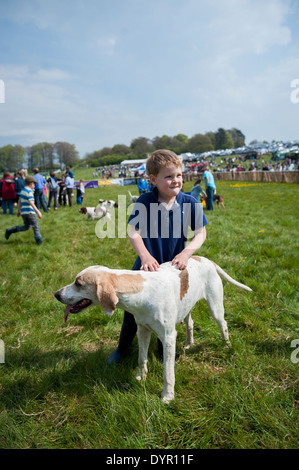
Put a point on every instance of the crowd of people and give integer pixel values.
(49, 188)
(32, 193)
(239, 163)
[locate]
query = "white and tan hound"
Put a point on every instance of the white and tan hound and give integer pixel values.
(158, 300)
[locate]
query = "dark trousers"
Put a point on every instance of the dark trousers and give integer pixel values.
(53, 195)
(210, 195)
(62, 197)
(69, 192)
(128, 332)
(39, 199)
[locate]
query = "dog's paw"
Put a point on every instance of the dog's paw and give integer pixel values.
(141, 374)
(167, 398)
(188, 345)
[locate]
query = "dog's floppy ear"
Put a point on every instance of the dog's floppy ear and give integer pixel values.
(106, 294)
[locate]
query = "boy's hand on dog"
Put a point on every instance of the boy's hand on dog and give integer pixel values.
(181, 260)
(149, 263)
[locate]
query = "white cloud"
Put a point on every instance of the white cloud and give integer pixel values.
(249, 26)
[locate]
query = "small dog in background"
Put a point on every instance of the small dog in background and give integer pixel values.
(107, 203)
(216, 198)
(95, 212)
(133, 199)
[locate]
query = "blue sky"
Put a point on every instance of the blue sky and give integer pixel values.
(97, 73)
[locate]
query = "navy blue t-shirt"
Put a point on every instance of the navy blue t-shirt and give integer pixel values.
(164, 232)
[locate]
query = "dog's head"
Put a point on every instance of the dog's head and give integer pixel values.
(83, 210)
(97, 286)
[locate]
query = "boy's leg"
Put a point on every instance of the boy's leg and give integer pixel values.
(127, 334)
(18, 228)
(32, 220)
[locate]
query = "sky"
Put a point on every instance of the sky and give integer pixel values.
(97, 73)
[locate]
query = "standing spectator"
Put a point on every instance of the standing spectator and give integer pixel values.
(39, 190)
(142, 185)
(69, 172)
(80, 192)
(8, 193)
(69, 181)
(62, 191)
(210, 187)
(53, 186)
(19, 182)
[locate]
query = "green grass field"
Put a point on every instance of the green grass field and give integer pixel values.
(56, 390)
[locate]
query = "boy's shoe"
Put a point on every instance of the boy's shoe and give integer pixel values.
(11, 230)
(39, 241)
(7, 233)
(116, 357)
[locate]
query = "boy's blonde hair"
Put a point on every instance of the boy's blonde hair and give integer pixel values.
(161, 159)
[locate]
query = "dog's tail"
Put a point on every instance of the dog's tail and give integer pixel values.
(226, 277)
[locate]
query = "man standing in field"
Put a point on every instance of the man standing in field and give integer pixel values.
(210, 187)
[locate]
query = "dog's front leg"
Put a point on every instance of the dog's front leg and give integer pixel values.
(169, 346)
(144, 336)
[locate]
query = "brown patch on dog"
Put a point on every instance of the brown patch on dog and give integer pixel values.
(83, 210)
(196, 258)
(127, 283)
(184, 277)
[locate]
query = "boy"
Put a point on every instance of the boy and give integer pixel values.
(27, 209)
(197, 190)
(159, 232)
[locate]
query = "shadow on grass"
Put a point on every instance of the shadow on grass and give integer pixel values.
(32, 375)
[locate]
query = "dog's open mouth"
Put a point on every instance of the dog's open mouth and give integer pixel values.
(76, 308)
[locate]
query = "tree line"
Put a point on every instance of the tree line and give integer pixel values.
(43, 155)
(180, 143)
(47, 156)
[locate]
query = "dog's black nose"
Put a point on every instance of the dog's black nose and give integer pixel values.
(57, 295)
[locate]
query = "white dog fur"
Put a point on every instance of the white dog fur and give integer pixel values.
(107, 203)
(132, 199)
(158, 300)
(95, 212)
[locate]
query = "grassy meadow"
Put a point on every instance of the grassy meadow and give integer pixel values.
(56, 390)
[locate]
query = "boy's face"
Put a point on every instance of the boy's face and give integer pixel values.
(168, 181)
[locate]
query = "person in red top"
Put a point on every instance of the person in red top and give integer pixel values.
(8, 193)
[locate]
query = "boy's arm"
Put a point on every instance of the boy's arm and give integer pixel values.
(148, 262)
(39, 214)
(181, 260)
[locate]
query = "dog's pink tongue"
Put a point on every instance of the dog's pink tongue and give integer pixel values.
(67, 311)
